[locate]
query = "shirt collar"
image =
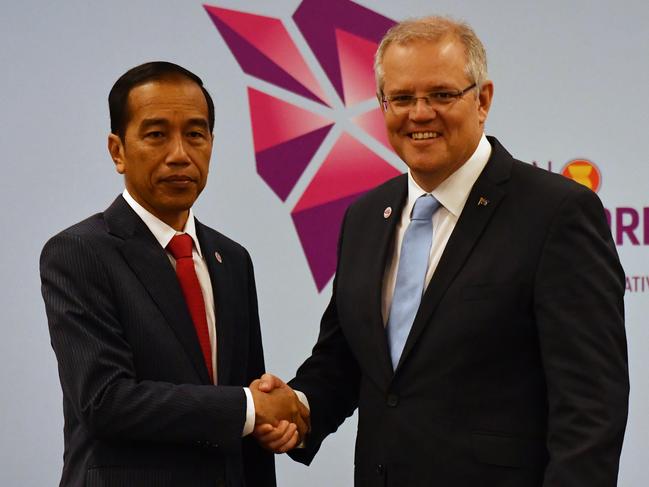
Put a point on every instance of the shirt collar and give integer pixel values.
(162, 232)
(453, 192)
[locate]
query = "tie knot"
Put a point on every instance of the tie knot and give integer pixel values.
(424, 207)
(180, 246)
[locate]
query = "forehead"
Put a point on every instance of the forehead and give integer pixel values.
(438, 63)
(165, 98)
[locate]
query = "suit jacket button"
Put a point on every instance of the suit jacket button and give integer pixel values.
(379, 469)
(393, 400)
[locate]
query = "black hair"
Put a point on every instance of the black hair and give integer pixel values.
(144, 73)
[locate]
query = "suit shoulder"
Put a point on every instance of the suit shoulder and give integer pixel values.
(213, 237)
(91, 229)
(524, 172)
(81, 248)
(544, 185)
(89, 237)
(527, 179)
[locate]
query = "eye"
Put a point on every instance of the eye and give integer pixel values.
(196, 134)
(401, 100)
(154, 134)
(443, 96)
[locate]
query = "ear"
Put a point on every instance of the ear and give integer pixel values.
(379, 97)
(116, 150)
(484, 98)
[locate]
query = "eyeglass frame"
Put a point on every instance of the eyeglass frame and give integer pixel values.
(453, 95)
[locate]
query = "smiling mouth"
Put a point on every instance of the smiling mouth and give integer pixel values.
(423, 135)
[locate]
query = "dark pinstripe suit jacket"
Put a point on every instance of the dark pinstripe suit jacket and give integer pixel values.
(138, 406)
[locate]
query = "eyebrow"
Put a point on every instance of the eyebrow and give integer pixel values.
(430, 89)
(198, 121)
(150, 122)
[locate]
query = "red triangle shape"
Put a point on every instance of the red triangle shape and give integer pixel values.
(275, 121)
(356, 56)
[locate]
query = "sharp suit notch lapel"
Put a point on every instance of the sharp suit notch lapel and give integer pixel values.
(224, 305)
(382, 231)
(480, 206)
(150, 263)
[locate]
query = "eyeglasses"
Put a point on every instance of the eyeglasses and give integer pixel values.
(437, 100)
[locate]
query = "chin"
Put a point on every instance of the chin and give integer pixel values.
(179, 204)
(424, 164)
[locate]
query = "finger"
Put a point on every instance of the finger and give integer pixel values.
(278, 437)
(290, 444)
(286, 441)
(262, 430)
(274, 433)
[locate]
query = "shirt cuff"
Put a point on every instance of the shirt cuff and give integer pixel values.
(249, 425)
(302, 397)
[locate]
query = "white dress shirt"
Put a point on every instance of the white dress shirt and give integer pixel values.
(452, 194)
(163, 233)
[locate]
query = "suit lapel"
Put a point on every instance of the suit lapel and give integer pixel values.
(150, 263)
(470, 226)
(224, 305)
(381, 230)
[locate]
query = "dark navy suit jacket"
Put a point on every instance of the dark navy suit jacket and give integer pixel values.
(515, 370)
(139, 408)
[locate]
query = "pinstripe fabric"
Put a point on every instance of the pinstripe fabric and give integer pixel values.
(120, 476)
(136, 392)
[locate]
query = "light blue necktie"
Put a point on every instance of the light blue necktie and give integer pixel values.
(411, 275)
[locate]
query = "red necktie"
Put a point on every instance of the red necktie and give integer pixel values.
(181, 248)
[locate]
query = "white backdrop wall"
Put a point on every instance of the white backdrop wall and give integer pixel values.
(571, 82)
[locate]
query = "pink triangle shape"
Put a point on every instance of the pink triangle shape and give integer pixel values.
(373, 123)
(318, 229)
(269, 36)
(356, 57)
(350, 168)
(282, 165)
(275, 121)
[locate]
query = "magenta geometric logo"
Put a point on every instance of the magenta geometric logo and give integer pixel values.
(338, 101)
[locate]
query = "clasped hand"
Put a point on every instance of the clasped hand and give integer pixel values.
(281, 420)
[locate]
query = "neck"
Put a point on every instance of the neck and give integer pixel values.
(176, 221)
(176, 218)
(428, 182)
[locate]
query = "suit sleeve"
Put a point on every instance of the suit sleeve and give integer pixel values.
(579, 310)
(97, 366)
(329, 378)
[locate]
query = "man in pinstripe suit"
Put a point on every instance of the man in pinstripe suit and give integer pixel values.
(144, 404)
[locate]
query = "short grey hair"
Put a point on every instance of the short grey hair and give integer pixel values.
(434, 29)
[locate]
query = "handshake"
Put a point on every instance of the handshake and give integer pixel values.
(281, 420)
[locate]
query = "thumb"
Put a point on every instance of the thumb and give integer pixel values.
(268, 382)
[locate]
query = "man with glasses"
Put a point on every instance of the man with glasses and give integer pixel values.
(477, 312)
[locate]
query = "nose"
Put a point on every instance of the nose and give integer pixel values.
(177, 151)
(422, 111)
